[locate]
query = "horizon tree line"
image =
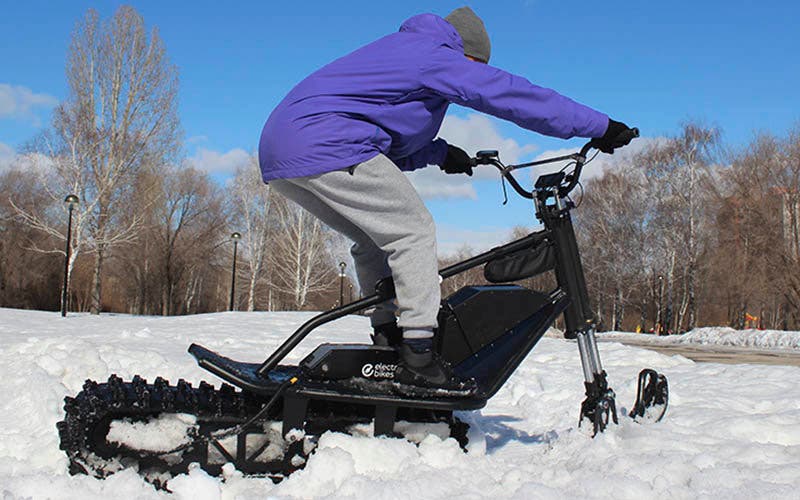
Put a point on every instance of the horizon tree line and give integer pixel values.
(684, 233)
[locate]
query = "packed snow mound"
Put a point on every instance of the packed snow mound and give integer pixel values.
(724, 336)
(770, 339)
(732, 431)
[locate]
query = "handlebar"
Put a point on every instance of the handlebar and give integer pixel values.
(571, 179)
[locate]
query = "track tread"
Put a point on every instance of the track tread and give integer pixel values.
(87, 416)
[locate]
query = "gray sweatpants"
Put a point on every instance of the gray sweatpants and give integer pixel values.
(375, 205)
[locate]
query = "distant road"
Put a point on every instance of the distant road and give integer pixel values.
(718, 353)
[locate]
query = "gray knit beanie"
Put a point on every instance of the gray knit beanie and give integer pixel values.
(473, 33)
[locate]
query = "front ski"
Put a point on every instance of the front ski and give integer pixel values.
(652, 397)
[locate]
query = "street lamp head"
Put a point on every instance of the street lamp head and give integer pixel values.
(236, 236)
(71, 200)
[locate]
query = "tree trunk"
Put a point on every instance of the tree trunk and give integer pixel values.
(251, 293)
(691, 319)
(96, 303)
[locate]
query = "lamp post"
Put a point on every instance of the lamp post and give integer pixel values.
(71, 200)
(342, 267)
(235, 237)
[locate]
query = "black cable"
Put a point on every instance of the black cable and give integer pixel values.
(568, 165)
(592, 158)
(581, 200)
(231, 432)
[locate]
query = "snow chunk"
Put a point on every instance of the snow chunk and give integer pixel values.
(164, 433)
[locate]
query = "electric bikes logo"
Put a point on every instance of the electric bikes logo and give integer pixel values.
(378, 370)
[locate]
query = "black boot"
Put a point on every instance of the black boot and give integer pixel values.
(387, 334)
(420, 366)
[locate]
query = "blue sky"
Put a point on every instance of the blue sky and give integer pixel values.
(733, 64)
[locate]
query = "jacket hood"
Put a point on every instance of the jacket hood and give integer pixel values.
(435, 27)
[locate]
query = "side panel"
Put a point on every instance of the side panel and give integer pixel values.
(495, 362)
(475, 316)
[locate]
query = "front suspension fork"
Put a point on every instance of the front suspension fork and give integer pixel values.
(599, 405)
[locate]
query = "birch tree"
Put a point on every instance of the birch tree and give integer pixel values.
(617, 240)
(299, 256)
(120, 115)
(681, 167)
(253, 213)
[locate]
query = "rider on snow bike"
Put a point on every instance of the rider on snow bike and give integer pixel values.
(339, 142)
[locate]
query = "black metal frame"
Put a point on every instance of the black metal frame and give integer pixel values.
(555, 216)
(553, 205)
(384, 290)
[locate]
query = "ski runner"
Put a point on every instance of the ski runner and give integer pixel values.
(339, 142)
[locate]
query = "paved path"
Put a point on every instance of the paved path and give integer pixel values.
(718, 354)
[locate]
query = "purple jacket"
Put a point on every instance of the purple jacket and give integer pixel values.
(390, 97)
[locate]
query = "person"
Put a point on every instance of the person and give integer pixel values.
(339, 142)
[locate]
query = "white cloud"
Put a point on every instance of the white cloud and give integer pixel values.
(476, 132)
(451, 240)
(17, 101)
(601, 164)
(26, 162)
(7, 155)
(473, 133)
(432, 183)
(35, 162)
(215, 162)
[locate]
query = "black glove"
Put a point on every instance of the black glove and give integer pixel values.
(457, 161)
(617, 135)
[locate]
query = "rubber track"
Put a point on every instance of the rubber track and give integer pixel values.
(89, 413)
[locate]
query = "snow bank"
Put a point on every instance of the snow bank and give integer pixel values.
(720, 335)
(732, 431)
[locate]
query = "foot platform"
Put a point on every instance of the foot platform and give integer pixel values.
(352, 390)
(242, 375)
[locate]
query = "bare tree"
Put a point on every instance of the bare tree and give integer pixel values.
(120, 115)
(617, 240)
(763, 226)
(27, 279)
(189, 217)
(681, 167)
(253, 213)
(299, 256)
(182, 224)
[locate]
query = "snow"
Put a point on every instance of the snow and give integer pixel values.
(722, 336)
(164, 433)
(732, 431)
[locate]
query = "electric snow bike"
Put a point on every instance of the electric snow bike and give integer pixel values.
(269, 425)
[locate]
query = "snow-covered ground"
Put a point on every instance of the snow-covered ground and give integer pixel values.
(732, 431)
(722, 336)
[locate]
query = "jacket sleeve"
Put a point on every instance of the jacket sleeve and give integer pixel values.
(432, 154)
(496, 92)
